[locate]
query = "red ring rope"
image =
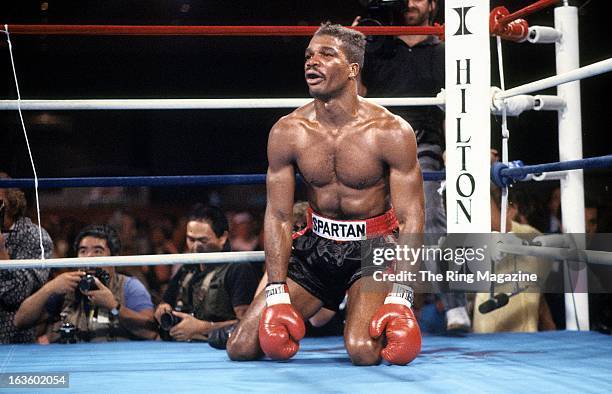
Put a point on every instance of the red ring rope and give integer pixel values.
(114, 30)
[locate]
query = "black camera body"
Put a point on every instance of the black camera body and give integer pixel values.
(384, 12)
(68, 333)
(88, 282)
(168, 320)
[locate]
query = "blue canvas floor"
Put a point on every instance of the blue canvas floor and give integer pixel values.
(556, 362)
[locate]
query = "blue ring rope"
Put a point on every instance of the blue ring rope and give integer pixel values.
(503, 174)
(180, 180)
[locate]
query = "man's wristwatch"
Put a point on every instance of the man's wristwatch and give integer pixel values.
(115, 311)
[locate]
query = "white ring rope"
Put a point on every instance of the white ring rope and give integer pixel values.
(591, 70)
(248, 103)
(555, 253)
(25, 134)
(123, 261)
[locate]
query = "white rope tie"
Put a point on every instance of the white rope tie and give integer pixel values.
(505, 137)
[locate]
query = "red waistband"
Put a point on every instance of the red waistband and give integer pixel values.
(375, 227)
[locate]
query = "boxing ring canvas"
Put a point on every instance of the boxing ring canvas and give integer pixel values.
(559, 361)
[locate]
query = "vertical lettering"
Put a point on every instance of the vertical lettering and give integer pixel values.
(472, 184)
(463, 148)
(466, 69)
(459, 133)
(468, 214)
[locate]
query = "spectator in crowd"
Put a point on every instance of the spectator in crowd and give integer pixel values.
(300, 216)
(413, 66)
(554, 211)
(591, 217)
(526, 311)
(133, 242)
(600, 298)
(528, 206)
(242, 234)
(206, 299)
(98, 305)
(158, 276)
(19, 239)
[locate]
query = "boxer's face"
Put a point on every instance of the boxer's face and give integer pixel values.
(326, 67)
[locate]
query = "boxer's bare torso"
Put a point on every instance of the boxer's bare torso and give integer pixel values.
(344, 167)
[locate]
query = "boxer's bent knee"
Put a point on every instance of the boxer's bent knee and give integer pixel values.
(363, 351)
(242, 350)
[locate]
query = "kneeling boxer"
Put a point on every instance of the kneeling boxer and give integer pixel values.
(358, 161)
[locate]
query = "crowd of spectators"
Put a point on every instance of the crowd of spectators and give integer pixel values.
(159, 289)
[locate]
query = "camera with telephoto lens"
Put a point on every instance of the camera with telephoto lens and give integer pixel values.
(168, 320)
(88, 282)
(383, 12)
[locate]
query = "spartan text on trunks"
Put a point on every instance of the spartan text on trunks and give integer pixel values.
(337, 230)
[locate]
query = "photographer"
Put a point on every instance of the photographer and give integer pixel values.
(413, 66)
(98, 304)
(204, 301)
(19, 239)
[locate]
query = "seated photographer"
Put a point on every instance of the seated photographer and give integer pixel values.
(91, 305)
(203, 302)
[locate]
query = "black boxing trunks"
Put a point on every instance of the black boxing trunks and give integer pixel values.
(326, 258)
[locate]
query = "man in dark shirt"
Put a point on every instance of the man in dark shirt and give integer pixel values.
(207, 298)
(413, 66)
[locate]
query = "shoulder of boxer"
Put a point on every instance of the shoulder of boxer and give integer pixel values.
(287, 128)
(397, 135)
(286, 135)
(295, 121)
(383, 119)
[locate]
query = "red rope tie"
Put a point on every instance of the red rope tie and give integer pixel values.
(516, 30)
(511, 26)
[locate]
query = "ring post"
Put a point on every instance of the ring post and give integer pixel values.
(570, 148)
(468, 102)
(468, 140)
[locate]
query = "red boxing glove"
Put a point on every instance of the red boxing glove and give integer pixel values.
(396, 319)
(280, 326)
